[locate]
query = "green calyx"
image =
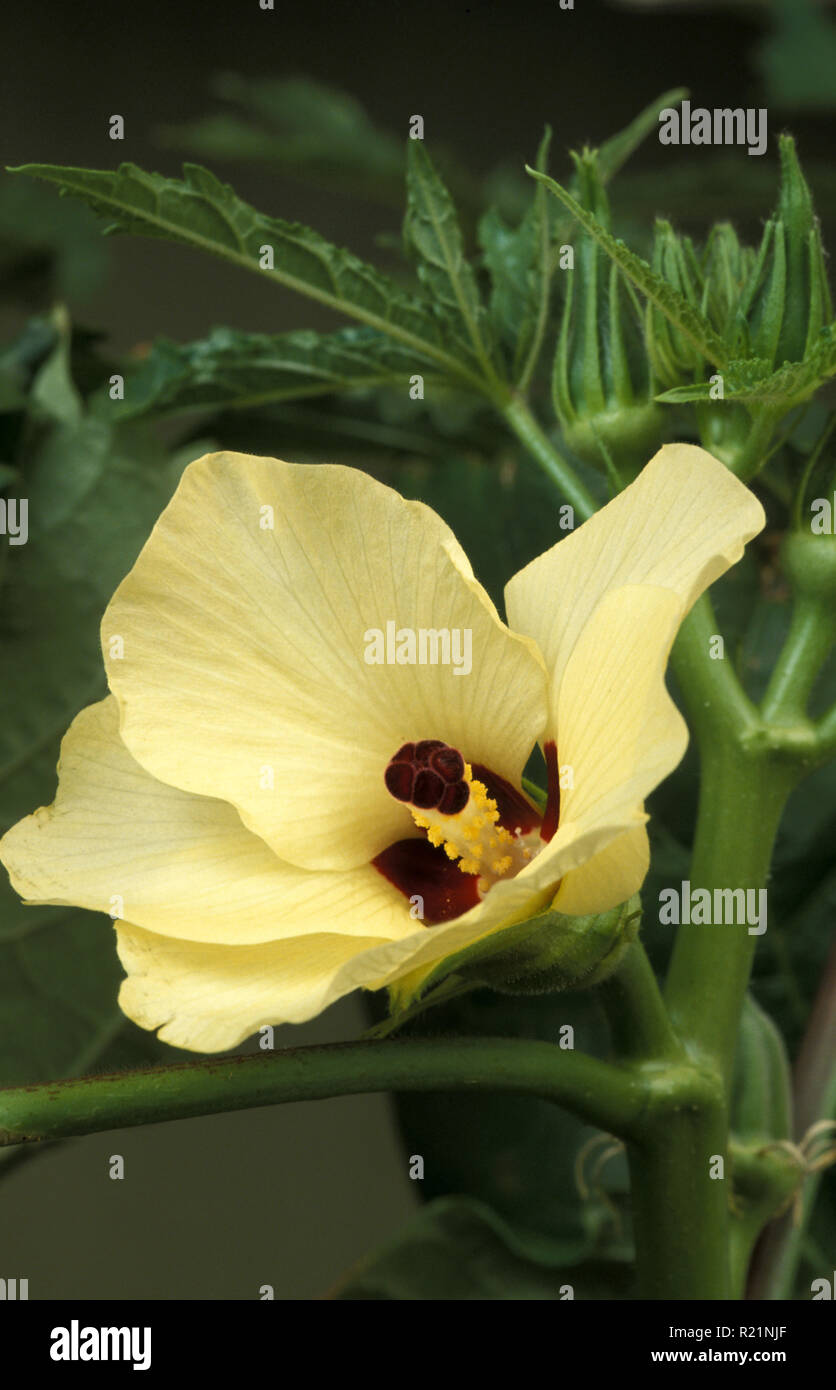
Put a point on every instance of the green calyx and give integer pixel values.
(787, 302)
(557, 952)
(547, 953)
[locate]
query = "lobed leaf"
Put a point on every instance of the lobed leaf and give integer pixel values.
(202, 212)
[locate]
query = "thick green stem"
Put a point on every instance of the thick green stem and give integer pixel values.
(742, 798)
(599, 1093)
(679, 1198)
(528, 431)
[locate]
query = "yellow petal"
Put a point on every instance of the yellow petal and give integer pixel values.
(680, 525)
(604, 606)
(116, 840)
(237, 653)
(619, 731)
(608, 878)
(210, 998)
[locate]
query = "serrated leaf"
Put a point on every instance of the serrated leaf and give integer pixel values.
(433, 237)
(673, 305)
(240, 370)
(201, 212)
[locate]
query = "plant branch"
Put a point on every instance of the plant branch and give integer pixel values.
(714, 699)
(554, 465)
(598, 1092)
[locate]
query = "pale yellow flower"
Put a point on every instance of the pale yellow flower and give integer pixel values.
(227, 801)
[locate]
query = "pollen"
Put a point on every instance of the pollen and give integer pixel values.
(454, 809)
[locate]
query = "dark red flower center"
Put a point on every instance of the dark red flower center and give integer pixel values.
(485, 833)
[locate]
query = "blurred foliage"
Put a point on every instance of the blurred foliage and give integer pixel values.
(93, 493)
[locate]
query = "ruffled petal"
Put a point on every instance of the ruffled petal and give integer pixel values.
(209, 998)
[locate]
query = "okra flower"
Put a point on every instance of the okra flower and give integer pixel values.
(296, 789)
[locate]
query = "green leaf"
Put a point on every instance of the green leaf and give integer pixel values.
(433, 237)
(673, 305)
(242, 370)
(200, 211)
(457, 1248)
(520, 263)
(53, 389)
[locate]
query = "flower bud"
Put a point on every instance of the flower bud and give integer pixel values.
(674, 358)
(601, 382)
(787, 301)
(553, 952)
(727, 267)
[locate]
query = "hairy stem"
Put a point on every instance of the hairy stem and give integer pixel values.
(598, 1092)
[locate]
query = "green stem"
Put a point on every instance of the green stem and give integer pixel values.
(754, 453)
(598, 1092)
(765, 1181)
(639, 1022)
(712, 694)
(803, 654)
(742, 798)
(528, 431)
(680, 1212)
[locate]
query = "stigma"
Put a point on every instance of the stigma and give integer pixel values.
(456, 811)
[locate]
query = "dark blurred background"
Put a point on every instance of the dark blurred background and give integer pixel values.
(214, 1208)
